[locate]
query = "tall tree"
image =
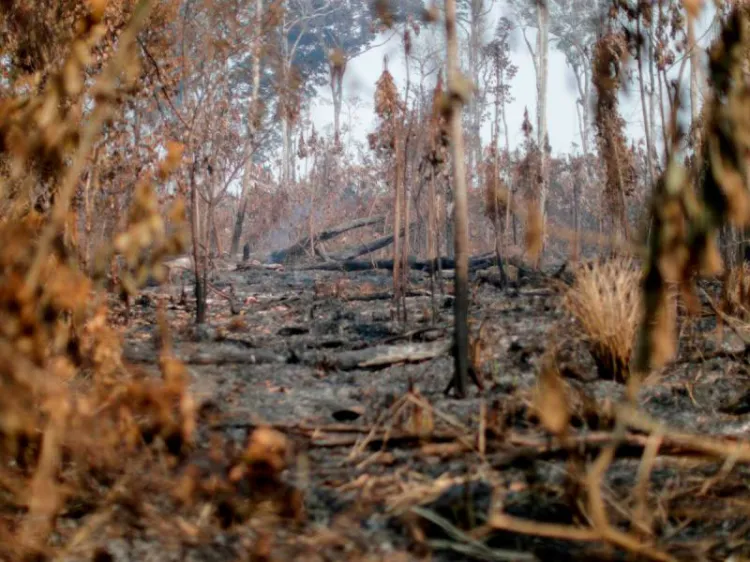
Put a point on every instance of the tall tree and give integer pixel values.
(387, 141)
(618, 159)
(459, 92)
(254, 117)
(347, 31)
(574, 27)
(474, 13)
(535, 15)
(503, 71)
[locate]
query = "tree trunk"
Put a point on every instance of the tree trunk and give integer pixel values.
(398, 189)
(200, 289)
(644, 110)
(694, 86)
(206, 244)
(432, 241)
(461, 244)
(664, 128)
(286, 152)
(449, 224)
(406, 230)
(239, 221)
(652, 89)
(301, 245)
(337, 69)
(509, 173)
(577, 219)
(216, 239)
(584, 92)
(253, 119)
(542, 53)
(474, 148)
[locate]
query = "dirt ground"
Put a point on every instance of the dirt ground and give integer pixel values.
(388, 468)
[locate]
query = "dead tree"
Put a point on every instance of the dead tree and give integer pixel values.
(458, 94)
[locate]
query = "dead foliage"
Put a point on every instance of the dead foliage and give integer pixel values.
(71, 410)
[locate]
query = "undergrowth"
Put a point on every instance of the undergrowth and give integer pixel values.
(70, 409)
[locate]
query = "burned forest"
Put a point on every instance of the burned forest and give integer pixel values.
(364, 280)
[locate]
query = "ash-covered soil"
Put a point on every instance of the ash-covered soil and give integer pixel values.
(304, 352)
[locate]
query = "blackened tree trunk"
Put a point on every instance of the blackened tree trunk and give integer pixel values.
(200, 288)
(460, 212)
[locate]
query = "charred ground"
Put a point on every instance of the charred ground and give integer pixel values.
(370, 446)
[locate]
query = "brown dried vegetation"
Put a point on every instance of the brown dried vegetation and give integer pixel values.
(70, 408)
(605, 303)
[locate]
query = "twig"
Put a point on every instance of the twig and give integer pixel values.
(641, 515)
(503, 522)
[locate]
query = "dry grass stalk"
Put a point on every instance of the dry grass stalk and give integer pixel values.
(605, 301)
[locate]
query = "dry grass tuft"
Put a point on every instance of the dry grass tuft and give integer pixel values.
(605, 301)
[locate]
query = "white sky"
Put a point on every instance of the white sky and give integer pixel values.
(363, 72)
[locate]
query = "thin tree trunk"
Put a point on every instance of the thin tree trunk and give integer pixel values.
(253, 118)
(239, 219)
(474, 109)
(438, 241)
(397, 288)
(311, 216)
(217, 239)
(583, 114)
(509, 174)
(407, 233)
(644, 111)
(541, 66)
(200, 292)
(576, 220)
(286, 151)
(206, 243)
(652, 90)
(665, 131)
(496, 217)
(337, 69)
(694, 86)
(432, 234)
(461, 302)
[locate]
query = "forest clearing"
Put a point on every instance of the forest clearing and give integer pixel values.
(247, 314)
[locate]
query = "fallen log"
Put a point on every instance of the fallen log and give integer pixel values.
(301, 245)
(385, 295)
(476, 263)
(369, 358)
(352, 265)
(256, 265)
(367, 247)
(377, 357)
(213, 356)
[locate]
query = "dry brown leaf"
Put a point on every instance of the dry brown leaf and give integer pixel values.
(550, 400)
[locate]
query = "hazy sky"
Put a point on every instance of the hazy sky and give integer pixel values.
(363, 72)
